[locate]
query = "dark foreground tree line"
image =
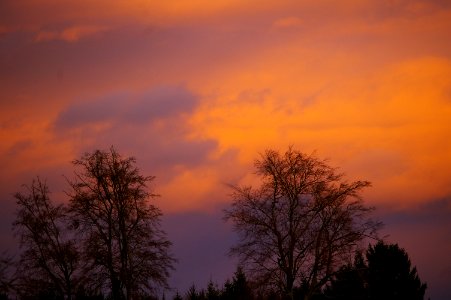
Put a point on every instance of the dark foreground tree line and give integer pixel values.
(300, 232)
(383, 271)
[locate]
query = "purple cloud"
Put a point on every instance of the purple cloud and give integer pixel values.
(127, 121)
(157, 103)
(88, 112)
(160, 102)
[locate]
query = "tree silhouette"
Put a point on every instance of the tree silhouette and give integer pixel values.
(49, 262)
(123, 241)
(213, 292)
(6, 277)
(390, 274)
(177, 296)
(239, 288)
(194, 294)
(350, 282)
(301, 223)
(386, 274)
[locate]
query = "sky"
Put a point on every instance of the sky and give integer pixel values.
(195, 90)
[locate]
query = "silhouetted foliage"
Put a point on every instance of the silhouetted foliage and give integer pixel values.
(49, 262)
(6, 277)
(390, 274)
(84, 293)
(386, 274)
(300, 225)
(122, 238)
(177, 296)
(194, 294)
(297, 232)
(213, 292)
(350, 282)
(239, 288)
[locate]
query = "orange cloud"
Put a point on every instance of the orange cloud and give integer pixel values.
(3, 29)
(70, 34)
(287, 22)
(200, 184)
(396, 116)
(367, 85)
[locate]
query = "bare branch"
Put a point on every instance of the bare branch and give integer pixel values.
(300, 223)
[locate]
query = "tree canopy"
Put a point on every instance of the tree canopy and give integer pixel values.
(108, 240)
(299, 230)
(50, 260)
(123, 241)
(300, 224)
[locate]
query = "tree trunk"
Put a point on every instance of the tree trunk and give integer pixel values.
(289, 287)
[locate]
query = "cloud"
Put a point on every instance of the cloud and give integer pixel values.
(153, 126)
(70, 34)
(3, 30)
(128, 108)
(367, 84)
(88, 112)
(19, 147)
(161, 102)
(42, 36)
(287, 22)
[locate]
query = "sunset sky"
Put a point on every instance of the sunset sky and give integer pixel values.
(196, 89)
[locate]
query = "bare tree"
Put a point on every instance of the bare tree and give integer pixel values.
(6, 277)
(300, 224)
(50, 257)
(122, 237)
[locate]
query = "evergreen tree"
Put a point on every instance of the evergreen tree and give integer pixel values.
(390, 274)
(177, 296)
(194, 294)
(238, 288)
(387, 274)
(213, 293)
(349, 282)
